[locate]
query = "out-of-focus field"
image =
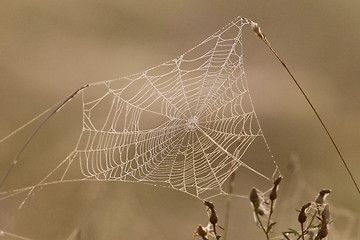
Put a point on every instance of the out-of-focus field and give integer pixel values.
(50, 48)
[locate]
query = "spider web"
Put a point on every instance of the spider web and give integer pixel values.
(185, 124)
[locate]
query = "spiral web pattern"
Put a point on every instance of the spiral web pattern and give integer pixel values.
(184, 124)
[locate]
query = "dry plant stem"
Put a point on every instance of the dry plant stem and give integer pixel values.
(37, 130)
(302, 231)
(261, 224)
(228, 205)
(214, 226)
(270, 214)
(257, 30)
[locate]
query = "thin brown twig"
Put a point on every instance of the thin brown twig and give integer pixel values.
(15, 160)
(270, 214)
(259, 33)
(228, 204)
(302, 231)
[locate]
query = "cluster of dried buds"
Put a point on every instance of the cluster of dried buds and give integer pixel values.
(259, 210)
(308, 215)
(255, 200)
(322, 213)
(203, 232)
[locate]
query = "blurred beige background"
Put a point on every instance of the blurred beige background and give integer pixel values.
(50, 48)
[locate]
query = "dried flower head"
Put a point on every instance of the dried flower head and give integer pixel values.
(273, 194)
(322, 195)
(213, 217)
(201, 231)
(325, 191)
(277, 181)
(254, 198)
(255, 27)
(302, 215)
(209, 204)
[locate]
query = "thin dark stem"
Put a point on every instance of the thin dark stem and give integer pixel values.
(270, 214)
(228, 204)
(284, 234)
(302, 231)
(257, 30)
(37, 130)
(214, 226)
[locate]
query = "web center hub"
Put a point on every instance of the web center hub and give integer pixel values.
(192, 123)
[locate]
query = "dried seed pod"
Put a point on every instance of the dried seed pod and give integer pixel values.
(213, 217)
(305, 206)
(255, 27)
(201, 231)
(302, 215)
(254, 198)
(273, 194)
(326, 214)
(323, 232)
(277, 181)
(322, 195)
